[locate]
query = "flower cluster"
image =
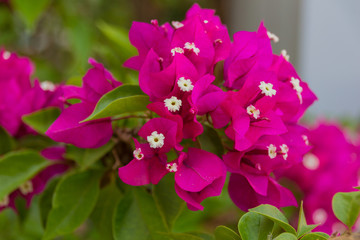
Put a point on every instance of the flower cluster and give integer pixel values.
(258, 106)
(331, 166)
(18, 97)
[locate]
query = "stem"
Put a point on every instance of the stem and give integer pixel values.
(117, 163)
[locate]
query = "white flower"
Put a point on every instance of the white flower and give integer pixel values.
(296, 86)
(138, 154)
(185, 84)
(177, 50)
(5, 201)
(6, 55)
(285, 55)
(311, 161)
(173, 104)
(26, 188)
(206, 21)
(156, 140)
(284, 150)
(267, 89)
(177, 24)
(319, 216)
(47, 86)
(172, 167)
(306, 139)
(253, 111)
(272, 151)
(273, 37)
(192, 47)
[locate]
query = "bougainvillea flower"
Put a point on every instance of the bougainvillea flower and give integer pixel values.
(245, 197)
(198, 175)
(250, 51)
(37, 184)
(294, 95)
(68, 127)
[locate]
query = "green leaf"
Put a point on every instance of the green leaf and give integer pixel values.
(86, 157)
(210, 141)
(346, 207)
(315, 236)
(123, 99)
(137, 218)
(45, 201)
(18, 167)
(275, 215)
(358, 188)
(74, 199)
(41, 120)
(104, 210)
(167, 201)
(286, 236)
(30, 11)
(225, 233)
(181, 236)
(6, 142)
(303, 228)
(253, 226)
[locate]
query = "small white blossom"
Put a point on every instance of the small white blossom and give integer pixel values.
(273, 37)
(173, 104)
(296, 86)
(156, 140)
(177, 24)
(285, 55)
(284, 150)
(206, 21)
(6, 55)
(177, 50)
(26, 188)
(192, 47)
(253, 111)
(272, 151)
(47, 86)
(306, 139)
(5, 201)
(311, 161)
(185, 84)
(172, 167)
(267, 89)
(138, 154)
(319, 216)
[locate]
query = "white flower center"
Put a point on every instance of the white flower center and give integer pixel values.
(173, 104)
(296, 86)
(5, 201)
(172, 167)
(177, 50)
(284, 150)
(271, 151)
(319, 216)
(177, 24)
(26, 188)
(192, 47)
(185, 85)
(285, 55)
(47, 86)
(6, 55)
(267, 89)
(306, 139)
(253, 111)
(156, 140)
(206, 21)
(311, 161)
(273, 37)
(138, 154)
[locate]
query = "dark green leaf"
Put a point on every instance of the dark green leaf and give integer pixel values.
(85, 157)
(41, 120)
(167, 201)
(225, 233)
(210, 141)
(45, 200)
(315, 236)
(6, 142)
(18, 167)
(29, 11)
(181, 236)
(123, 99)
(253, 226)
(286, 236)
(303, 228)
(346, 207)
(75, 197)
(357, 187)
(275, 215)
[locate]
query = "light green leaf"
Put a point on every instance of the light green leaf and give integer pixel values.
(167, 201)
(41, 120)
(253, 226)
(123, 99)
(303, 228)
(137, 218)
(275, 215)
(6, 142)
(210, 141)
(315, 236)
(86, 157)
(74, 199)
(18, 167)
(181, 236)
(346, 207)
(45, 201)
(286, 236)
(30, 11)
(225, 233)
(358, 188)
